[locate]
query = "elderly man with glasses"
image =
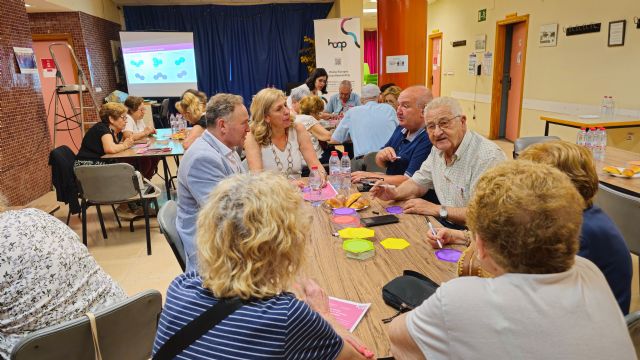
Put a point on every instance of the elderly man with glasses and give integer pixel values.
(458, 158)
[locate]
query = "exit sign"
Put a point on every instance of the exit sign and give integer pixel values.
(482, 15)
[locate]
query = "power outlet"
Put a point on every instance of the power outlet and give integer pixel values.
(629, 136)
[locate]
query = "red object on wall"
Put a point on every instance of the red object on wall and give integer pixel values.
(402, 30)
(371, 50)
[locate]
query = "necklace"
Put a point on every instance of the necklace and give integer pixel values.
(289, 158)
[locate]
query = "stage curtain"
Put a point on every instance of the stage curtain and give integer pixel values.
(371, 50)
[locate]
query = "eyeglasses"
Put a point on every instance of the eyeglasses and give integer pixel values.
(123, 117)
(442, 123)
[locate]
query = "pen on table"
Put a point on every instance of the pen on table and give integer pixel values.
(433, 231)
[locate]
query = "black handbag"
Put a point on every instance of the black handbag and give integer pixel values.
(407, 292)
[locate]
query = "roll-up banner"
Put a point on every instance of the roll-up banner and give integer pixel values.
(338, 50)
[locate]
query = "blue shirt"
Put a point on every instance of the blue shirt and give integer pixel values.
(334, 106)
(602, 243)
(369, 125)
(278, 327)
(203, 166)
(412, 151)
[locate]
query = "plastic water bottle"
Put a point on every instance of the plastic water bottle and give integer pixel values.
(315, 183)
(611, 108)
(581, 137)
(603, 144)
(173, 122)
(182, 123)
(335, 178)
(345, 171)
(604, 108)
(592, 139)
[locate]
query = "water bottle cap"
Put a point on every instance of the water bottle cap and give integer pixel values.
(602, 128)
(314, 167)
(592, 129)
(334, 153)
(583, 128)
(345, 153)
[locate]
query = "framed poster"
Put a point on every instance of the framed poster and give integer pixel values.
(548, 35)
(26, 60)
(616, 32)
(481, 43)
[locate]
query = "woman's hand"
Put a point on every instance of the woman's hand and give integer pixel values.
(311, 293)
(446, 236)
(148, 131)
(128, 142)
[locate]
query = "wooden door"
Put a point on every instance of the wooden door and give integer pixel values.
(518, 49)
(434, 66)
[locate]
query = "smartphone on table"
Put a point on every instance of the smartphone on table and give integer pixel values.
(379, 220)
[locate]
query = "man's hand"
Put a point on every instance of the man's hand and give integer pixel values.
(384, 191)
(420, 206)
(387, 154)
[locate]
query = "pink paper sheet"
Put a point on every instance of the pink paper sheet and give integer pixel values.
(328, 192)
(348, 313)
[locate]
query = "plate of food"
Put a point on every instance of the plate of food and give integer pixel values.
(355, 201)
(629, 172)
(179, 135)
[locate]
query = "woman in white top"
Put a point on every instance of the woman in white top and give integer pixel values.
(275, 141)
(544, 301)
(192, 107)
(135, 127)
(310, 109)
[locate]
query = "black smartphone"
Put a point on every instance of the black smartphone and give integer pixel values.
(379, 220)
(367, 183)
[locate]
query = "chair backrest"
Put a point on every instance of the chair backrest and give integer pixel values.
(624, 210)
(126, 330)
(370, 162)
(521, 143)
(107, 183)
(633, 324)
(167, 221)
(164, 109)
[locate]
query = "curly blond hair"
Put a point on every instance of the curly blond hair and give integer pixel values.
(261, 105)
(392, 90)
(529, 217)
(574, 160)
(191, 104)
(251, 236)
(111, 110)
(311, 105)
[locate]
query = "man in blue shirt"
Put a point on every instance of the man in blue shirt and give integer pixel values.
(409, 144)
(210, 159)
(344, 100)
(369, 125)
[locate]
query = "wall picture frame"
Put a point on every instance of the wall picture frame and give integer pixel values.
(616, 33)
(548, 35)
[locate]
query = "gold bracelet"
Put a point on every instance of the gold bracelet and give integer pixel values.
(467, 237)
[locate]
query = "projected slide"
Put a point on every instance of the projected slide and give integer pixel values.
(159, 63)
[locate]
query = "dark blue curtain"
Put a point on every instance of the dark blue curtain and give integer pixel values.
(239, 49)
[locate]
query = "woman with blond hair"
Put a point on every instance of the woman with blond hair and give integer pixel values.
(275, 141)
(544, 301)
(310, 109)
(251, 243)
(192, 107)
(105, 137)
(390, 96)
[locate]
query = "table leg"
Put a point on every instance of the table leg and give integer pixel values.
(167, 182)
(546, 128)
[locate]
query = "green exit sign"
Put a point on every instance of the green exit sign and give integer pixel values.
(482, 15)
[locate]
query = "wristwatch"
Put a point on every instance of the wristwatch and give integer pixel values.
(443, 212)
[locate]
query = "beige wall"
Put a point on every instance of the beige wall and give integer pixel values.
(579, 70)
(105, 9)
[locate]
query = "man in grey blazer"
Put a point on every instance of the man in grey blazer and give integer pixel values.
(209, 160)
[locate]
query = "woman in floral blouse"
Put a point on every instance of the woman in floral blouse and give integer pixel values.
(46, 275)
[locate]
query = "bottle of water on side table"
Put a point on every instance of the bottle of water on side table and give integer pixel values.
(581, 137)
(592, 139)
(335, 178)
(173, 123)
(603, 144)
(315, 183)
(345, 171)
(604, 108)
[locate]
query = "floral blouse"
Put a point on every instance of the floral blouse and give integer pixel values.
(47, 276)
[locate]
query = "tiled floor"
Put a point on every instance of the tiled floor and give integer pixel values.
(123, 255)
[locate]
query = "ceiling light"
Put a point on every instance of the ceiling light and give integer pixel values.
(369, 10)
(373, 1)
(27, 5)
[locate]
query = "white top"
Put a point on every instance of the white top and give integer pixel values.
(290, 160)
(568, 315)
(134, 126)
(455, 182)
(308, 122)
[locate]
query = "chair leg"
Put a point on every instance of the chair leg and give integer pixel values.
(115, 213)
(104, 231)
(84, 223)
(146, 226)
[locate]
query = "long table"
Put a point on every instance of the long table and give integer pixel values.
(575, 121)
(362, 281)
(620, 158)
(161, 135)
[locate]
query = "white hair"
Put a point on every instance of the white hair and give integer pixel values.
(450, 103)
(298, 93)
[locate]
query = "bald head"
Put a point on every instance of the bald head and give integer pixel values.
(411, 103)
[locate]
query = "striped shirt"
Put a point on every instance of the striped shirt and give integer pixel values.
(455, 182)
(277, 327)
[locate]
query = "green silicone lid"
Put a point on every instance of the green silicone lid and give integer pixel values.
(357, 245)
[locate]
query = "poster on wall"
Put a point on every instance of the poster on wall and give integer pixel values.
(548, 35)
(48, 68)
(26, 60)
(399, 64)
(481, 43)
(471, 67)
(487, 64)
(339, 51)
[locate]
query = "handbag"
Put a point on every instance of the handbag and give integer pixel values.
(196, 328)
(407, 292)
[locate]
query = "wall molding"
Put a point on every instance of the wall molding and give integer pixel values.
(545, 105)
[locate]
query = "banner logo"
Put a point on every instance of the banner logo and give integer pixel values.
(337, 44)
(355, 38)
